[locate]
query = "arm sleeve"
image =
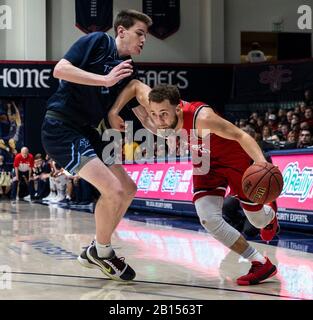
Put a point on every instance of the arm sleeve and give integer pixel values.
(81, 50)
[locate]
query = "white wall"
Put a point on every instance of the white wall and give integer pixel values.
(61, 32)
(14, 38)
(26, 40)
(256, 15)
(209, 31)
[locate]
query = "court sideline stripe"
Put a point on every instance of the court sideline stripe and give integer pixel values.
(99, 288)
(162, 283)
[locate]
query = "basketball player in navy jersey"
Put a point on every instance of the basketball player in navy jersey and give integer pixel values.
(229, 152)
(92, 73)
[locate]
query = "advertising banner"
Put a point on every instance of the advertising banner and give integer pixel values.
(163, 186)
(296, 200)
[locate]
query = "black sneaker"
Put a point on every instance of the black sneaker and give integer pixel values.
(83, 259)
(113, 267)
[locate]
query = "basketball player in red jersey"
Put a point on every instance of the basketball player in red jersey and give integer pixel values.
(232, 151)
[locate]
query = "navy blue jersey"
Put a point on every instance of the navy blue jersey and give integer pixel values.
(88, 105)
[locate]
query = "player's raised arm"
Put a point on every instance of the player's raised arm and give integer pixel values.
(208, 119)
(135, 89)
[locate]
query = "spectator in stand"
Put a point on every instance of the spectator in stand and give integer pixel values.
(292, 139)
(289, 116)
(23, 165)
(275, 138)
(254, 116)
(256, 54)
(305, 139)
(282, 115)
(5, 178)
(302, 106)
(40, 181)
(253, 123)
(295, 122)
(260, 124)
(305, 126)
(272, 121)
(57, 183)
(284, 131)
(297, 111)
(250, 130)
(308, 97)
(242, 123)
(308, 116)
(266, 133)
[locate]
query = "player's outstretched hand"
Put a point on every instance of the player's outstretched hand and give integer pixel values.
(118, 73)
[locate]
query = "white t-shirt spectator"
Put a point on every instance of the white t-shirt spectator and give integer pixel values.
(256, 56)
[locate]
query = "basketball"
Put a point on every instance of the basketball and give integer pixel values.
(262, 182)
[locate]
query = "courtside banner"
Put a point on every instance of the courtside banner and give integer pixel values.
(296, 200)
(163, 186)
(165, 15)
(94, 15)
(27, 79)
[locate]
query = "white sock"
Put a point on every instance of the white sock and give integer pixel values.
(104, 250)
(252, 254)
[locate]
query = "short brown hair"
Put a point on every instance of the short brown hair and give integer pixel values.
(165, 92)
(38, 156)
(127, 18)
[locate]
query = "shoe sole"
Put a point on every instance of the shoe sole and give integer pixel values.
(85, 263)
(95, 265)
(271, 273)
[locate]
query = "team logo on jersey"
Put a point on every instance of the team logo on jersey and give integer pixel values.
(200, 148)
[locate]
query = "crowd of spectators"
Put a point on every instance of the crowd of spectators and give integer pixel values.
(35, 178)
(39, 179)
(282, 129)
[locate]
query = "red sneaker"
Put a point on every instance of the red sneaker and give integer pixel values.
(258, 273)
(268, 233)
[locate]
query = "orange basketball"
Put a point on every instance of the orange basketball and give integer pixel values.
(262, 182)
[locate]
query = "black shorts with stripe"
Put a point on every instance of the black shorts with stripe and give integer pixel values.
(70, 146)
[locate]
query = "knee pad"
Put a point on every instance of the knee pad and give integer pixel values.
(260, 218)
(209, 210)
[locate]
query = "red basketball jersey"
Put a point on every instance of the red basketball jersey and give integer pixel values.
(223, 152)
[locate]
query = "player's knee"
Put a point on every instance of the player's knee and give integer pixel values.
(212, 222)
(115, 194)
(209, 210)
(209, 213)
